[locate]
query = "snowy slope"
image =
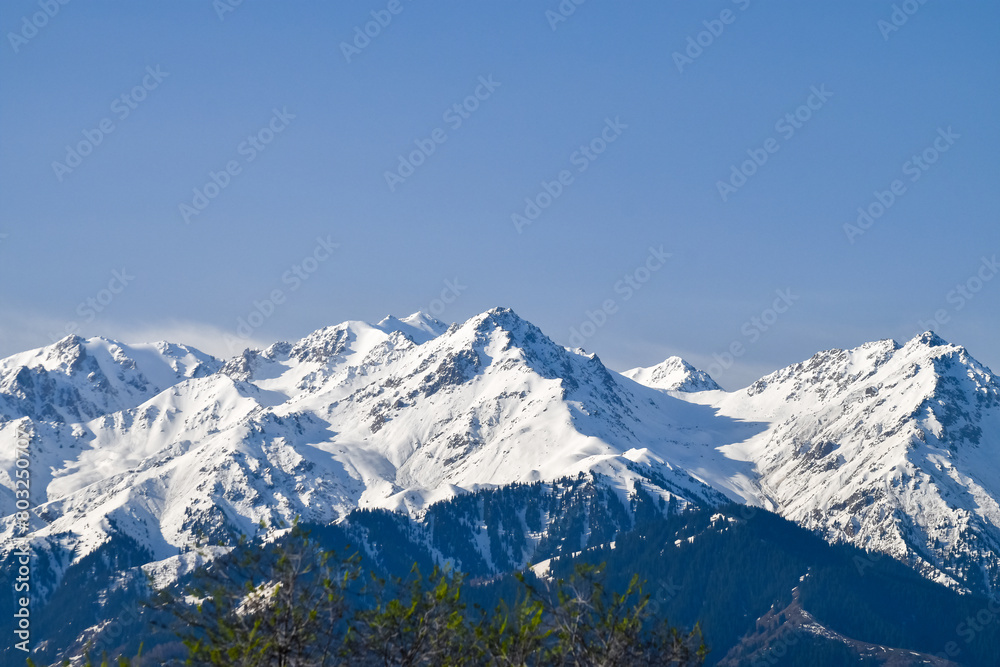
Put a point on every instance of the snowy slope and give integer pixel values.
(894, 448)
(395, 415)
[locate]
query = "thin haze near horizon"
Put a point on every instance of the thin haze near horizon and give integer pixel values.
(739, 183)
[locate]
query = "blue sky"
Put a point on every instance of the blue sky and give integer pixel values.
(642, 109)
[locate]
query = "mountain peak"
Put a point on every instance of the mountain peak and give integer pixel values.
(500, 315)
(674, 374)
(72, 340)
(928, 339)
(505, 320)
(419, 326)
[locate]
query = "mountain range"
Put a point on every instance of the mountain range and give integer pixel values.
(893, 448)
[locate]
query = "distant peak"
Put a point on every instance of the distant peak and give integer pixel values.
(390, 323)
(418, 326)
(71, 340)
(68, 348)
(929, 339)
(506, 320)
(675, 374)
(502, 317)
(422, 318)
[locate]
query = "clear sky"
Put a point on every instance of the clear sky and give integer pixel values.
(216, 155)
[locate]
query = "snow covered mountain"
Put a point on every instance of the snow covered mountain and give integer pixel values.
(76, 379)
(673, 374)
(394, 415)
(893, 448)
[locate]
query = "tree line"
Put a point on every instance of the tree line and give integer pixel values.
(291, 603)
